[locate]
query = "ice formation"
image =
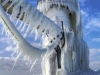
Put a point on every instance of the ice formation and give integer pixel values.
(59, 21)
(75, 53)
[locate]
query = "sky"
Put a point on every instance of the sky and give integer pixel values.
(90, 11)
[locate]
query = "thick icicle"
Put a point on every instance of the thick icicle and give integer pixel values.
(15, 13)
(33, 65)
(5, 2)
(3, 30)
(25, 8)
(30, 26)
(13, 2)
(16, 9)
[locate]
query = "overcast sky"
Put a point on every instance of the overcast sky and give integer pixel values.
(90, 10)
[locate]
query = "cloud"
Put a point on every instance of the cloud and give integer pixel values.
(6, 40)
(21, 68)
(95, 65)
(90, 21)
(84, 14)
(7, 45)
(1, 52)
(94, 52)
(82, 2)
(95, 59)
(93, 23)
(96, 39)
(10, 48)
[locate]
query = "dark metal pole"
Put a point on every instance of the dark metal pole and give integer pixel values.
(58, 49)
(58, 56)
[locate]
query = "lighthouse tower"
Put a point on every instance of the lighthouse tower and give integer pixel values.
(69, 53)
(72, 53)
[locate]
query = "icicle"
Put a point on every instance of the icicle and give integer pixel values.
(15, 61)
(15, 13)
(33, 65)
(20, 25)
(30, 58)
(13, 2)
(46, 6)
(3, 30)
(17, 57)
(6, 33)
(17, 49)
(30, 23)
(59, 6)
(40, 17)
(33, 58)
(25, 8)
(23, 27)
(17, 22)
(30, 61)
(28, 29)
(24, 58)
(36, 18)
(20, 2)
(13, 66)
(32, 32)
(5, 2)
(43, 24)
(36, 35)
(16, 10)
(39, 44)
(23, 21)
(29, 15)
(38, 23)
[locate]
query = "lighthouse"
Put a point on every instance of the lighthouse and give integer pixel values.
(72, 53)
(64, 50)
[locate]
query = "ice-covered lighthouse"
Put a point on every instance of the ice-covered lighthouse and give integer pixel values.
(73, 54)
(64, 51)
